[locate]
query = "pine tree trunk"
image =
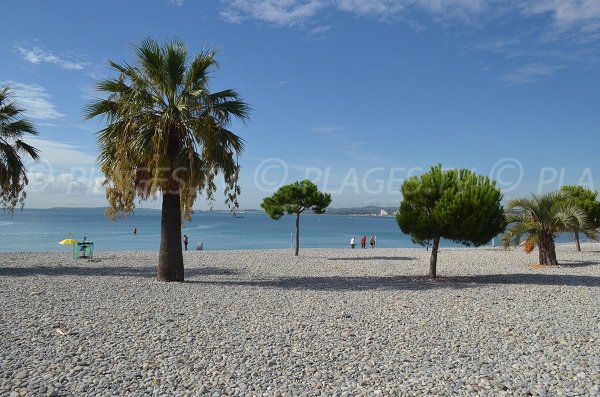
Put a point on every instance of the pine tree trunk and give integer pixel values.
(170, 257)
(297, 233)
(577, 241)
(433, 260)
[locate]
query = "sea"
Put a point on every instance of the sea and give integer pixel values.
(32, 230)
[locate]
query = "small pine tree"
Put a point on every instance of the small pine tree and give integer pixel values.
(295, 199)
(456, 204)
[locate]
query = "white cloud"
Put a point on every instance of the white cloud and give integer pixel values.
(459, 10)
(34, 100)
(297, 12)
(320, 29)
(582, 15)
(277, 12)
(371, 7)
(38, 55)
(51, 125)
(64, 175)
(65, 183)
(58, 154)
(531, 73)
(438, 6)
(568, 13)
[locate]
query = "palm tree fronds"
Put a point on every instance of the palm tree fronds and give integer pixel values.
(13, 173)
(165, 128)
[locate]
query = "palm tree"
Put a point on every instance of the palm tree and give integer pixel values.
(167, 134)
(13, 173)
(541, 218)
(587, 201)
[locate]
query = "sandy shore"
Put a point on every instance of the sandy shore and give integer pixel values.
(330, 322)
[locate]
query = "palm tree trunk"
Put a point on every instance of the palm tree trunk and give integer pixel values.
(297, 233)
(577, 241)
(552, 254)
(433, 260)
(547, 251)
(170, 258)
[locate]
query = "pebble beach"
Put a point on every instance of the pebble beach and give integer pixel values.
(331, 322)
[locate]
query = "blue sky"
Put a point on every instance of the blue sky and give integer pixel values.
(356, 95)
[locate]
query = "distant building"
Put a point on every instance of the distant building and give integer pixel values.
(383, 213)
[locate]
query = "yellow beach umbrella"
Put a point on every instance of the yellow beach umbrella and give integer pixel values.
(68, 241)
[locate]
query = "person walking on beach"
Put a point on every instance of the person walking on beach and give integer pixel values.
(185, 241)
(353, 242)
(363, 242)
(372, 242)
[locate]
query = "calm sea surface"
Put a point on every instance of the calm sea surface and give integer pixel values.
(42, 229)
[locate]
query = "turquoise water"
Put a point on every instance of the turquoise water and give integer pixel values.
(41, 229)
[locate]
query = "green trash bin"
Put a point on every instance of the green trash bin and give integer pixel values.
(83, 250)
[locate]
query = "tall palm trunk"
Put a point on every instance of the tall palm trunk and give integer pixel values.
(170, 258)
(577, 241)
(433, 260)
(297, 233)
(547, 251)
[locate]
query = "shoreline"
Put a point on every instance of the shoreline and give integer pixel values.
(560, 246)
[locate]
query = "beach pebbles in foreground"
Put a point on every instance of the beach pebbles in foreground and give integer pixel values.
(329, 322)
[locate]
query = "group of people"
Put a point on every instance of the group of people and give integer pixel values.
(363, 242)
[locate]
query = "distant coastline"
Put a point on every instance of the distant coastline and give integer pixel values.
(350, 211)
